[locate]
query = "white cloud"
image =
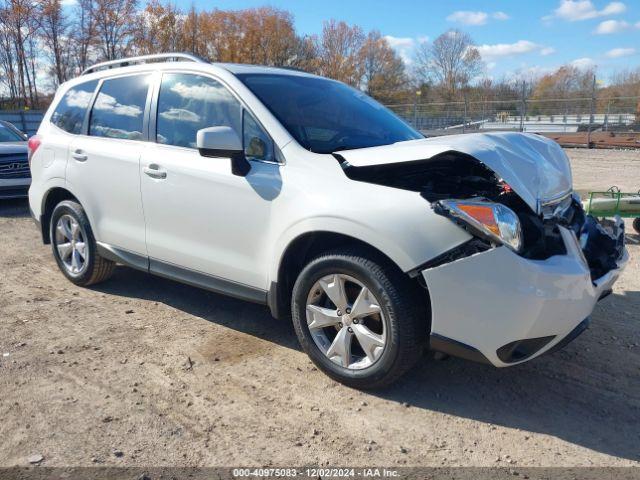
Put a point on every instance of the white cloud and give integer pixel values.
(500, 16)
(399, 42)
(507, 49)
(68, 3)
(614, 8)
(611, 26)
(467, 17)
(584, 63)
(181, 115)
(576, 10)
(109, 103)
(620, 52)
(405, 46)
(547, 51)
(78, 98)
(200, 91)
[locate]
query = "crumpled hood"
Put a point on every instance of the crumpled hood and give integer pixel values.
(535, 167)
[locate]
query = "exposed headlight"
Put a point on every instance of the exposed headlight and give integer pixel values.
(493, 221)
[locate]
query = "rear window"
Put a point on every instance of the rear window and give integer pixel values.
(70, 112)
(118, 111)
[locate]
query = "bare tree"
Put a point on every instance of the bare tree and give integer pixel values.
(84, 34)
(158, 29)
(8, 79)
(18, 21)
(384, 74)
(452, 60)
(191, 31)
(269, 36)
(306, 56)
(54, 31)
(338, 50)
(114, 24)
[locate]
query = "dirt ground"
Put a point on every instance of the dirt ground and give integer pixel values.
(142, 371)
(598, 139)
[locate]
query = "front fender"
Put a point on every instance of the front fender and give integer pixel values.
(407, 249)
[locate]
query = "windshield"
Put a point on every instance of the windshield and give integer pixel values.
(326, 116)
(7, 134)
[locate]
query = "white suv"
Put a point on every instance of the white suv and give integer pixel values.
(299, 192)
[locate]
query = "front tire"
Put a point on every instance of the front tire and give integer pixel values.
(74, 246)
(361, 321)
(636, 225)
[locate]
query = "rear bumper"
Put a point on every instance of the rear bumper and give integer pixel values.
(504, 309)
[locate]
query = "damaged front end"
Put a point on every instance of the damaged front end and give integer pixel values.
(465, 190)
(539, 237)
(535, 265)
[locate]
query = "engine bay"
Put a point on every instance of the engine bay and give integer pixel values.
(453, 175)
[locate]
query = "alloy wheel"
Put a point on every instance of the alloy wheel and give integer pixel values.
(346, 321)
(71, 244)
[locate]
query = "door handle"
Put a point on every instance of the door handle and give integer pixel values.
(154, 171)
(79, 155)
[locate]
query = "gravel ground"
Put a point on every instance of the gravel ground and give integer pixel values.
(144, 371)
(600, 169)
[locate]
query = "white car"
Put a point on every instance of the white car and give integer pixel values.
(301, 193)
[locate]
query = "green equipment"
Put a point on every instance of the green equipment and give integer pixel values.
(614, 202)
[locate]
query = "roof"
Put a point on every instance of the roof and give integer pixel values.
(171, 57)
(240, 68)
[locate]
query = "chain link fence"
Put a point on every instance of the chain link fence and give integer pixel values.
(594, 122)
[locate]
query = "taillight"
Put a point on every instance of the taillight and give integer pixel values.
(32, 145)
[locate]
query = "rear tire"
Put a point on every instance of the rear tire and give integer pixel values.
(636, 225)
(382, 345)
(74, 246)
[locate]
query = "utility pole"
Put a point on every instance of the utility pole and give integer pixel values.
(593, 112)
(523, 105)
(464, 118)
(415, 109)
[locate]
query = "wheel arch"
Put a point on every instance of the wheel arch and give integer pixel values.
(50, 199)
(303, 248)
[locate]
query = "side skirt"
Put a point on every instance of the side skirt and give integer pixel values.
(183, 275)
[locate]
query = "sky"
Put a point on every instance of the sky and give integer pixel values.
(528, 37)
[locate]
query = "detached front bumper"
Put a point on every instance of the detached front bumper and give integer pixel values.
(500, 308)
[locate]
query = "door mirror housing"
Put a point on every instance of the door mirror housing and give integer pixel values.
(223, 142)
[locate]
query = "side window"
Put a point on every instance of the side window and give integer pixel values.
(118, 111)
(257, 144)
(70, 112)
(190, 102)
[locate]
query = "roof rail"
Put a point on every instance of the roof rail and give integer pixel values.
(143, 59)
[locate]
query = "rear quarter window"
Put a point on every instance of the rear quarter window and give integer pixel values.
(72, 108)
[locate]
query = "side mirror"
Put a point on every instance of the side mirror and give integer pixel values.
(223, 142)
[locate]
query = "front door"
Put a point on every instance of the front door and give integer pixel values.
(199, 216)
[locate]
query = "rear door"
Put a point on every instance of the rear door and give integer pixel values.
(103, 169)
